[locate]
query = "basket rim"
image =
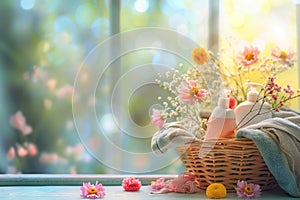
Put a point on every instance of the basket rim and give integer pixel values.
(234, 140)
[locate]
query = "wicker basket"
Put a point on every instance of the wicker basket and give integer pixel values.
(226, 161)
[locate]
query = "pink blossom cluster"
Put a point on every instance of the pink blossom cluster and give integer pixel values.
(18, 121)
(276, 95)
(28, 149)
(289, 90)
(131, 184)
(272, 88)
(75, 151)
(50, 158)
(37, 74)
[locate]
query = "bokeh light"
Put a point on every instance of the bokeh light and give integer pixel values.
(108, 123)
(27, 4)
(141, 5)
(64, 24)
(100, 27)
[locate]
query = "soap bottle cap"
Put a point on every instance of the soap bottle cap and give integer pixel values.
(224, 99)
(252, 95)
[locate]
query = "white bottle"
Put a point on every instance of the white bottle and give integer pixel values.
(221, 123)
(246, 113)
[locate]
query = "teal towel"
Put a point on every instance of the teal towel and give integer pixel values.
(278, 140)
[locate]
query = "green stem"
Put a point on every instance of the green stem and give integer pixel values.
(19, 165)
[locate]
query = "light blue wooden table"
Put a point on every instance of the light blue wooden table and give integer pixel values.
(56, 187)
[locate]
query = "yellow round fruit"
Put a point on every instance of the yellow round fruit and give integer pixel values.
(216, 191)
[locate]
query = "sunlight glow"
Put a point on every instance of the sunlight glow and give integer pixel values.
(141, 5)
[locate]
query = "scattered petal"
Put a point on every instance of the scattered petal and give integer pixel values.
(11, 154)
(184, 183)
(157, 185)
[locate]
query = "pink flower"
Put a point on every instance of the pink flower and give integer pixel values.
(271, 87)
(157, 119)
(92, 191)
(65, 92)
(248, 56)
(131, 184)
(31, 149)
(75, 151)
(282, 55)
(274, 97)
(11, 154)
(190, 93)
(18, 121)
(289, 90)
(22, 152)
(157, 185)
(247, 190)
(49, 158)
(26, 130)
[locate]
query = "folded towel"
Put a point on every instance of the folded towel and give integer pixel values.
(172, 135)
(278, 140)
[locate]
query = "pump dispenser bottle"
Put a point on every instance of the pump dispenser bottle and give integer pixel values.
(221, 123)
(246, 112)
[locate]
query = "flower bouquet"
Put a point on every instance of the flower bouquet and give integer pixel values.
(193, 93)
(193, 90)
